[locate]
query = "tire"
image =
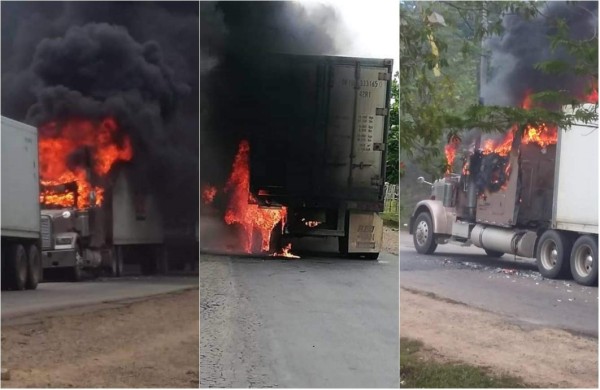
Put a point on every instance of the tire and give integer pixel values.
(17, 267)
(76, 273)
(111, 270)
(118, 259)
(34, 267)
(423, 237)
(161, 260)
(343, 245)
(552, 255)
(147, 259)
(584, 261)
(492, 253)
(276, 240)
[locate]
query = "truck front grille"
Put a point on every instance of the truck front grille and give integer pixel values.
(46, 231)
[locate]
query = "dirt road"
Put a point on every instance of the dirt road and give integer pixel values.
(540, 356)
(141, 342)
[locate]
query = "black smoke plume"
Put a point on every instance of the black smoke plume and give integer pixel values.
(236, 41)
(135, 61)
(525, 43)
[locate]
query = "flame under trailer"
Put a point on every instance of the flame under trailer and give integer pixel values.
(126, 228)
(320, 150)
(536, 202)
(21, 257)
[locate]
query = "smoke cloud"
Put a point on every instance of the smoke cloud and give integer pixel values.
(236, 41)
(525, 43)
(135, 61)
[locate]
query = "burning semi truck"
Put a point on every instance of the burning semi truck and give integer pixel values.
(77, 182)
(313, 164)
(533, 194)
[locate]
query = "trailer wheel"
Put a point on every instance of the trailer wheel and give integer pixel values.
(34, 267)
(112, 270)
(147, 258)
(423, 237)
(118, 261)
(17, 266)
(584, 261)
(552, 255)
(492, 253)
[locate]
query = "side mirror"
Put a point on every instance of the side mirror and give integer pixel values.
(421, 180)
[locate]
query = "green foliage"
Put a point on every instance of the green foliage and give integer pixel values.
(392, 160)
(415, 372)
(434, 106)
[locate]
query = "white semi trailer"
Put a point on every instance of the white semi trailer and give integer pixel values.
(547, 209)
(21, 258)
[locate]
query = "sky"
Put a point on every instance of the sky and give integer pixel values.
(372, 26)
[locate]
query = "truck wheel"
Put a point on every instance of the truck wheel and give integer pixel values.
(34, 267)
(118, 261)
(75, 274)
(148, 267)
(584, 261)
(423, 237)
(17, 266)
(492, 253)
(76, 271)
(113, 264)
(552, 255)
(147, 258)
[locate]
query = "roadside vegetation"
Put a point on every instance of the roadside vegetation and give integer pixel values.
(417, 371)
(390, 220)
(441, 44)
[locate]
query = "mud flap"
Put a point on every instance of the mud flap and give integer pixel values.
(365, 232)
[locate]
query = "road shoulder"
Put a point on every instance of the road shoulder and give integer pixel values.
(540, 356)
(150, 342)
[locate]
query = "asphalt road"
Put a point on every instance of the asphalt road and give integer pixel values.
(512, 288)
(60, 295)
(310, 322)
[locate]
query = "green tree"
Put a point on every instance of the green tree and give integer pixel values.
(393, 152)
(440, 50)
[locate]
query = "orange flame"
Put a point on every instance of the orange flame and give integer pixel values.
(592, 97)
(59, 142)
(450, 151)
(286, 252)
(241, 211)
(542, 135)
(208, 194)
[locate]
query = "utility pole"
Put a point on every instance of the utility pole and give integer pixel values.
(483, 59)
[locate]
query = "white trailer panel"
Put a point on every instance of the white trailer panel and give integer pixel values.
(576, 179)
(136, 218)
(356, 129)
(20, 180)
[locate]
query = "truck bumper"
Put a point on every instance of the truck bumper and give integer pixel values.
(365, 232)
(58, 259)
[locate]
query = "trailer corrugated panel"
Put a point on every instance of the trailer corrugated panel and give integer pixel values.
(576, 179)
(135, 217)
(319, 129)
(20, 180)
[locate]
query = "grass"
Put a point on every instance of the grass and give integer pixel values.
(417, 372)
(390, 220)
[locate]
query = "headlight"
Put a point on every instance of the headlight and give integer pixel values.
(63, 241)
